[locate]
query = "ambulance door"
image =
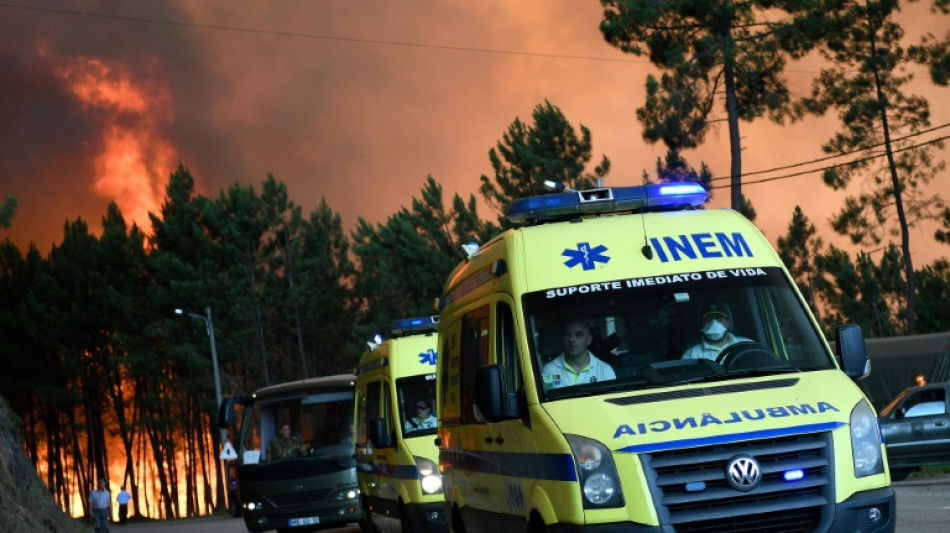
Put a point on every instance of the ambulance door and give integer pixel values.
(387, 457)
(375, 451)
(509, 438)
(469, 454)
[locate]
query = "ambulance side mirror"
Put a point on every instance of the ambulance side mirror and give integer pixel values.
(378, 434)
(492, 400)
(852, 352)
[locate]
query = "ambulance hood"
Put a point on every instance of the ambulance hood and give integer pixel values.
(669, 418)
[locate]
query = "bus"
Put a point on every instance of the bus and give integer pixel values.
(295, 450)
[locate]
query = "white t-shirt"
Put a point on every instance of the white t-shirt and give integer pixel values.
(557, 373)
(704, 350)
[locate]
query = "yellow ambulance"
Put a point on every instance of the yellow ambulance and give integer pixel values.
(396, 456)
(623, 360)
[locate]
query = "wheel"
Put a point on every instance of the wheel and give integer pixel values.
(748, 354)
(404, 524)
(367, 525)
(455, 524)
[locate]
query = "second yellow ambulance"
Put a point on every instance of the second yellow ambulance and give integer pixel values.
(623, 360)
(400, 485)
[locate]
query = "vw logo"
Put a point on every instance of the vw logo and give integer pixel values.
(743, 473)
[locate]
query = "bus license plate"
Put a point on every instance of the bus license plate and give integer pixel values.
(309, 521)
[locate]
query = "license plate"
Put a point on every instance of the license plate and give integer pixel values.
(308, 521)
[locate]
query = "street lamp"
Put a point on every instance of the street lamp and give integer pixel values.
(209, 328)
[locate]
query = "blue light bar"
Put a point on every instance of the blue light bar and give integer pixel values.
(406, 326)
(793, 475)
(641, 198)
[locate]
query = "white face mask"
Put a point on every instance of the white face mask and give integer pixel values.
(714, 331)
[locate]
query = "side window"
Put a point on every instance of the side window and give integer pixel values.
(929, 402)
(506, 348)
(369, 409)
(360, 422)
(386, 412)
(449, 378)
(473, 350)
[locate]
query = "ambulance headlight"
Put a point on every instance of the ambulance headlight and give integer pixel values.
(599, 489)
(596, 472)
(865, 441)
(429, 476)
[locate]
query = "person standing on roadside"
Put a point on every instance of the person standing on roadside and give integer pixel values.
(100, 501)
(123, 500)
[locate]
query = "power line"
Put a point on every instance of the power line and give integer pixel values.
(317, 36)
(836, 156)
(282, 33)
(812, 171)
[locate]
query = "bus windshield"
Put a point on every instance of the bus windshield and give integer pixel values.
(317, 424)
(641, 333)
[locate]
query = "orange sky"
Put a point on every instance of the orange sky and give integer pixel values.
(99, 108)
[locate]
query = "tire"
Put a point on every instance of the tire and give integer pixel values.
(455, 524)
(367, 525)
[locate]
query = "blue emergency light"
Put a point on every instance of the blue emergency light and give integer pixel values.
(406, 326)
(793, 475)
(641, 198)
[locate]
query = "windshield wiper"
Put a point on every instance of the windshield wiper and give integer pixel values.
(745, 372)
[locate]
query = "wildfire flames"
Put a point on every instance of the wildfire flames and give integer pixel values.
(132, 159)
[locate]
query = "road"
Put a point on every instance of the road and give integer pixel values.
(922, 507)
(199, 525)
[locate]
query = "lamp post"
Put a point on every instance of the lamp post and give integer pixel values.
(209, 328)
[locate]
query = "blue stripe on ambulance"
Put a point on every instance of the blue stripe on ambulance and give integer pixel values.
(547, 466)
(389, 471)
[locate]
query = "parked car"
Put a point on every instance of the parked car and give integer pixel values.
(916, 429)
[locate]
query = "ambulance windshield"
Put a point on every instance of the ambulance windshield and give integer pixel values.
(656, 331)
(416, 398)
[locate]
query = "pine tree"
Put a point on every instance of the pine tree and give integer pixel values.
(798, 250)
(527, 156)
(866, 86)
(709, 50)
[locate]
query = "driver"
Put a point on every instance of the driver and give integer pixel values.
(715, 323)
(576, 365)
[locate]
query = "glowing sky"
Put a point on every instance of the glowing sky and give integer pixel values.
(352, 101)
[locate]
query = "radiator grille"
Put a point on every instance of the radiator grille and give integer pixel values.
(775, 505)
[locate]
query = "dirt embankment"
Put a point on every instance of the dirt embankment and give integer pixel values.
(25, 503)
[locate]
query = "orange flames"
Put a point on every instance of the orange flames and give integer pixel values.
(132, 159)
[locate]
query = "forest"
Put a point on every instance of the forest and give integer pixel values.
(110, 381)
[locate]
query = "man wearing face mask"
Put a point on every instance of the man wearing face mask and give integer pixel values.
(715, 324)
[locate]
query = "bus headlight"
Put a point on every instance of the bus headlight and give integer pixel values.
(349, 494)
(865, 441)
(253, 506)
(429, 475)
(596, 472)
